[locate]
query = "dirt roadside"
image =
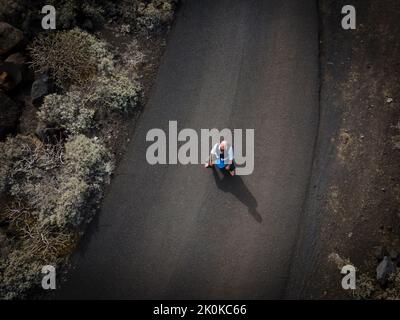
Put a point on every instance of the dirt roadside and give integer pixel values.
(352, 212)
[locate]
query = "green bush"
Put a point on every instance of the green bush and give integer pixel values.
(90, 14)
(72, 57)
(30, 175)
(126, 12)
(75, 111)
(19, 272)
(93, 12)
(53, 191)
(87, 167)
(155, 14)
(59, 186)
(24, 159)
(114, 94)
(66, 14)
(149, 15)
(87, 159)
(72, 13)
(68, 112)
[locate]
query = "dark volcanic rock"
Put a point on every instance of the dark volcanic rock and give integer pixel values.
(393, 254)
(384, 270)
(40, 88)
(10, 37)
(380, 252)
(16, 58)
(47, 134)
(9, 115)
(10, 76)
(20, 62)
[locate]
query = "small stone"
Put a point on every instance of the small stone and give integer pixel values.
(389, 100)
(10, 76)
(393, 254)
(379, 252)
(384, 270)
(16, 58)
(40, 88)
(88, 25)
(9, 115)
(19, 61)
(44, 133)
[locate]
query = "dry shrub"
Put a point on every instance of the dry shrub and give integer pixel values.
(45, 242)
(24, 159)
(54, 191)
(59, 185)
(72, 57)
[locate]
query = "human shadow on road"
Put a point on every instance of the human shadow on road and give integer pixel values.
(236, 186)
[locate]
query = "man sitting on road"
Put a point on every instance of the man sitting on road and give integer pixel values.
(222, 152)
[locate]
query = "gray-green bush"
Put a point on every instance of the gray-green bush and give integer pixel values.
(59, 185)
(87, 167)
(114, 94)
(155, 14)
(67, 111)
(75, 111)
(53, 190)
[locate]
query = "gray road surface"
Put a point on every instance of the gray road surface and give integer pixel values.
(174, 231)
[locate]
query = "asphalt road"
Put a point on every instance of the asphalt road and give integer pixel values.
(181, 232)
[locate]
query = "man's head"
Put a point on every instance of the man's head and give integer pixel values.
(223, 146)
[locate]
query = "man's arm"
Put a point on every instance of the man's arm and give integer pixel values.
(214, 149)
(230, 155)
(213, 154)
(230, 158)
